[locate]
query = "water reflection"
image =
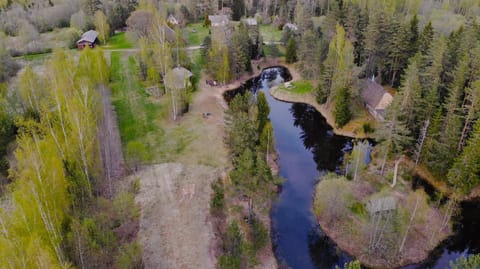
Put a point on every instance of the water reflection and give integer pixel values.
(317, 137)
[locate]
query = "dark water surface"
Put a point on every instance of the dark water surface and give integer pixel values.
(307, 149)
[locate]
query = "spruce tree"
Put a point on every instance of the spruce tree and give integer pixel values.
(238, 9)
(341, 111)
(465, 173)
(291, 53)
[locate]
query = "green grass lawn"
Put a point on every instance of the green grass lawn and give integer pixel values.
(136, 112)
(118, 41)
(35, 57)
(143, 119)
(301, 87)
(270, 33)
(195, 33)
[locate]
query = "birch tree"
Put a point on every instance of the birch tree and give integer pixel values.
(102, 26)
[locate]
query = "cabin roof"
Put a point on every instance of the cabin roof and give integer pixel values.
(171, 19)
(376, 96)
(382, 204)
(89, 36)
(170, 34)
(250, 21)
(290, 26)
(177, 77)
(218, 20)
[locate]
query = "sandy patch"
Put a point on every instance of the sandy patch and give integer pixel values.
(175, 225)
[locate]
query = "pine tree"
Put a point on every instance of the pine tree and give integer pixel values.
(291, 53)
(431, 70)
(393, 134)
(413, 36)
(341, 111)
(263, 111)
(465, 173)
(240, 60)
(397, 53)
(410, 95)
(425, 38)
(238, 9)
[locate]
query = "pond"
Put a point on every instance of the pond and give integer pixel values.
(308, 148)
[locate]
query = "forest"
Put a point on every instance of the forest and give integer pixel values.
(153, 63)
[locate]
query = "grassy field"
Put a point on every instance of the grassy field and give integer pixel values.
(301, 87)
(136, 113)
(270, 33)
(144, 119)
(118, 41)
(195, 34)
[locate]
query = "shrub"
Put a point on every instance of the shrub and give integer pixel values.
(130, 257)
(259, 234)
(367, 128)
(217, 202)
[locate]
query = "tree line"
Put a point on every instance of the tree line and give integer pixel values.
(250, 137)
(58, 212)
(433, 116)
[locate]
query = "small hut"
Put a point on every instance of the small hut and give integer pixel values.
(171, 20)
(178, 78)
(89, 38)
(290, 26)
(381, 205)
(376, 99)
(252, 26)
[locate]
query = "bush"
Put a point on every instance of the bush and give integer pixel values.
(233, 248)
(259, 234)
(466, 263)
(358, 209)
(130, 257)
(217, 202)
(367, 128)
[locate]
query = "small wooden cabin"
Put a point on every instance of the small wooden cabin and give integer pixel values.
(376, 99)
(89, 38)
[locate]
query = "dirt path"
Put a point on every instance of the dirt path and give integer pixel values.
(110, 143)
(175, 227)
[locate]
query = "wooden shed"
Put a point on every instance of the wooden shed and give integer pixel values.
(376, 99)
(89, 38)
(381, 205)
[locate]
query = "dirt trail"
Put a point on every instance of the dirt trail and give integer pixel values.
(110, 143)
(175, 227)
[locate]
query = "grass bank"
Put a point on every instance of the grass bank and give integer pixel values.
(302, 92)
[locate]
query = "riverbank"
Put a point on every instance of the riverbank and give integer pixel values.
(237, 205)
(354, 215)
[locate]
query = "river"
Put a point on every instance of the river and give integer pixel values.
(308, 148)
